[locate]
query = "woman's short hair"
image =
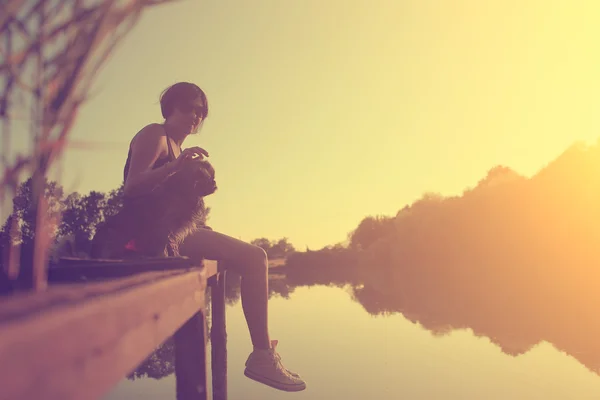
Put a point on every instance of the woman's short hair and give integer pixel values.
(181, 92)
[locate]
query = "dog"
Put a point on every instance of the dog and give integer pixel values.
(156, 224)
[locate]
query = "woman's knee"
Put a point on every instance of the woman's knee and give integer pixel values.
(252, 261)
(257, 258)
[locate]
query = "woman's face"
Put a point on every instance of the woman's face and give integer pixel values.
(187, 115)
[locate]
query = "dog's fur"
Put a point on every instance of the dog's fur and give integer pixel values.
(160, 221)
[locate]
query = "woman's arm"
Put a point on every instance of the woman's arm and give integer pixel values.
(148, 146)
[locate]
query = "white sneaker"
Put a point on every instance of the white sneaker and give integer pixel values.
(264, 366)
(273, 345)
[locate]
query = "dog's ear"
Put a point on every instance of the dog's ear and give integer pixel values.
(207, 168)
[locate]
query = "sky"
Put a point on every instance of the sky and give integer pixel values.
(325, 112)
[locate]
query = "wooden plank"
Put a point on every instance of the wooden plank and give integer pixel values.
(77, 341)
(77, 269)
(69, 261)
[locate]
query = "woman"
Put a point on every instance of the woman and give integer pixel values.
(155, 153)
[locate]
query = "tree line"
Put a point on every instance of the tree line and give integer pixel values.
(77, 215)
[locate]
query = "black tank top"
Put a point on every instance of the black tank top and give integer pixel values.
(157, 164)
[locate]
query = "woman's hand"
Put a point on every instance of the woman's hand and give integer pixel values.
(188, 156)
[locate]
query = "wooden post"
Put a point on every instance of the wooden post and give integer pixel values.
(218, 337)
(190, 359)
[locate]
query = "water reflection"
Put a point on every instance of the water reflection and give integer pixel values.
(514, 314)
(511, 314)
(160, 364)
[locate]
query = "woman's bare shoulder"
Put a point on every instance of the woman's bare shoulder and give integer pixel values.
(151, 134)
(153, 130)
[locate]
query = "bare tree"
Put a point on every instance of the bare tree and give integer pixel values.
(50, 52)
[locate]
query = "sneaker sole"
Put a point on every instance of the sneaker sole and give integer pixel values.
(274, 384)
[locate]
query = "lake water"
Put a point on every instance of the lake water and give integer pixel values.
(345, 352)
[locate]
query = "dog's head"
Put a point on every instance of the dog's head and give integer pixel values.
(195, 180)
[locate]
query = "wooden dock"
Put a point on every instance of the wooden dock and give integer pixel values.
(99, 319)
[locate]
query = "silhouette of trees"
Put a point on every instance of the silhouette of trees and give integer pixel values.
(81, 215)
(18, 231)
(370, 230)
(275, 248)
(159, 364)
(24, 214)
(514, 259)
(77, 215)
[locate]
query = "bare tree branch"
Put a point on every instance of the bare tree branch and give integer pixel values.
(50, 53)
